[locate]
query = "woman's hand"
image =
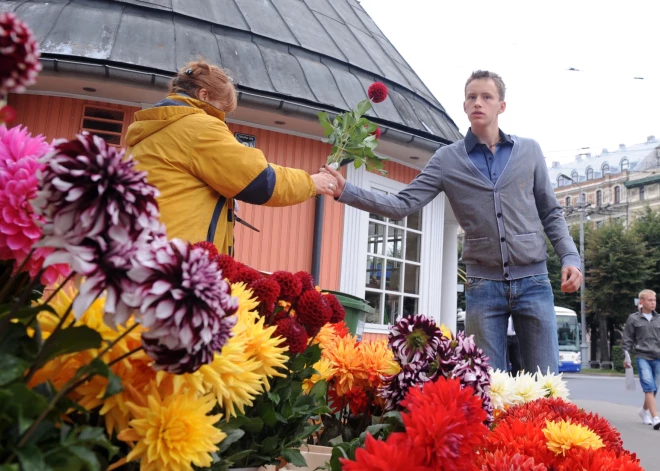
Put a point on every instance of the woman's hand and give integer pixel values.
(340, 180)
(325, 183)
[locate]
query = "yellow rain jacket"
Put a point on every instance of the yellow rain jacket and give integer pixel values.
(200, 169)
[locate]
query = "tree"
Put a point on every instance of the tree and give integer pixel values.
(617, 268)
(567, 300)
(648, 228)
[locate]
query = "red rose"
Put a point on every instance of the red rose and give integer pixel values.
(377, 92)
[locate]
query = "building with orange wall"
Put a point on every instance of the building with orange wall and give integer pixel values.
(105, 59)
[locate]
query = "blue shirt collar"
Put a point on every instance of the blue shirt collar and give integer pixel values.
(471, 140)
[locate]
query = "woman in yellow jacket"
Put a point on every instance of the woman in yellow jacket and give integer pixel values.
(198, 165)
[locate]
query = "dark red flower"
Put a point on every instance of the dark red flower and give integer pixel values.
(524, 438)
(357, 400)
(377, 92)
(227, 265)
(7, 114)
(312, 311)
(338, 312)
(502, 461)
(395, 454)
(290, 286)
(306, 280)
(445, 424)
(19, 55)
(293, 333)
(598, 460)
(376, 133)
(267, 291)
(341, 329)
(209, 247)
(245, 274)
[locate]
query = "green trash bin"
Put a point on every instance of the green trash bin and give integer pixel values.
(356, 312)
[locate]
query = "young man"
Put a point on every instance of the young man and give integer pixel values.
(498, 186)
(642, 331)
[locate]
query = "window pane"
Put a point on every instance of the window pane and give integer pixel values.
(413, 246)
(374, 272)
(392, 307)
(415, 221)
(410, 306)
(394, 242)
(393, 276)
(376, 216)
(411, 280)
(374, 300)
(397, 223)
(376, 238)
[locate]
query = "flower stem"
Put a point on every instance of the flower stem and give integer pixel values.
(114, 342)
(52, 295)
(9, 286)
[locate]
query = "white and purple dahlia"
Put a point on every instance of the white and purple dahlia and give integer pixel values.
(415, 339)
(396, 387)
(185, 305)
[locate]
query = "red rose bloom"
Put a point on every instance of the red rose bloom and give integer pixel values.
(376, 133)
(377, 92)
(293, 333)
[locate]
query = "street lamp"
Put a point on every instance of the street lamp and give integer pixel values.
(581, 208)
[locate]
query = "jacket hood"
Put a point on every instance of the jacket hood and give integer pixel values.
(166, 112)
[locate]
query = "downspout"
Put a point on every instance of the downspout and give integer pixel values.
(317, 241)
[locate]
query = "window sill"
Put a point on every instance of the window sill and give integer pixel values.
(377, 329)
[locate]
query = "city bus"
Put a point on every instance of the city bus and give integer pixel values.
(568, 333)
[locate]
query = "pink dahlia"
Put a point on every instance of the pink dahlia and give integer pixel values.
(20, 226)
(19, 55)
(186, 306)
(377, 92)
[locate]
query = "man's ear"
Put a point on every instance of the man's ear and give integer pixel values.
(464, 107)
(502, 107)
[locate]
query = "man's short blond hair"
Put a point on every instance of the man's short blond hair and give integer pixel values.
(486, 74)
(645, 292)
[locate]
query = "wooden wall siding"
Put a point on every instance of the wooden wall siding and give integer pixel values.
(58, 117)
(399, 173)
(285, 240)
(373, 337)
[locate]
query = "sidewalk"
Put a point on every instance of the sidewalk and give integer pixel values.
(637, 437)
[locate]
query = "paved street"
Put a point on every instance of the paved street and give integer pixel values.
(608, 397)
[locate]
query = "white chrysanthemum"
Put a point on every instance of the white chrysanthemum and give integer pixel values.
(527, 388)
(503, 390)
(554, 384)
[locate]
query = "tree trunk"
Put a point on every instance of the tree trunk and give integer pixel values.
(593, 328)
(603, 343)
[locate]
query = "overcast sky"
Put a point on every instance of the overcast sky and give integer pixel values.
(531, 44)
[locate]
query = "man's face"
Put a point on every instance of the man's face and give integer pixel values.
(482, 103)
(648, 302)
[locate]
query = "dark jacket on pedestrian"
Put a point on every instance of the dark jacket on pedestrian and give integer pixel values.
(643, 335)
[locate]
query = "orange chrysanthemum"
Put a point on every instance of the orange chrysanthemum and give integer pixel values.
(345, 357)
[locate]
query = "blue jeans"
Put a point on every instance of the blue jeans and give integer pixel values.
(531, 303)
(649, 374)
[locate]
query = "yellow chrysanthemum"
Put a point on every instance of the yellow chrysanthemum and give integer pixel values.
(246, 314)
(325, 371)
(378, 360)
(173, 431)
(562, 436)
(445, 331)
(347, 360)
(262, 347)
(232, 379)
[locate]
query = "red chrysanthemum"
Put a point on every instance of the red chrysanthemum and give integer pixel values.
(341, 329)
(524, 438)
(7, 114)
(293, 333)
(338, 312)
(19, 55)
(445, 423)
(266, 291)
(306, 280)
(227, 265)
(377, 92)
(376, 133)
(290, 286)
(245, 274)
(598, 460)
(395, 454)
(312, 311)
(502, 461)
(358, 401)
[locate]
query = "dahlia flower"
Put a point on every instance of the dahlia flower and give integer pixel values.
(553, 384)
(564, 435)
(313, 311)
(19, 55)
(396, 386)
(306, 280)
(503, 461)
(290, 286)
(377, 92)
(415, 339)
(502, 390)
(346, 358)
(528, 389)
(293, 335)
(186, 306)
(397, 453)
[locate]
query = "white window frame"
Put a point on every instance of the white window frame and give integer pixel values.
(354, 255)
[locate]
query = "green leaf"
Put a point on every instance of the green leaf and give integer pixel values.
(328, 128)
(17, 342)
(71, 340)
(87, 456)
(9, 467)
(363, 107)
(30, 458)
(293, 456)
(232, 437)
(24, 312)
(99, 367)
(319, 389)
(269, 444)
(273, 396)
(254, 425)
(11, 368)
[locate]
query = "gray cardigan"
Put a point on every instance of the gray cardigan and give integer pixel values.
(504, 223)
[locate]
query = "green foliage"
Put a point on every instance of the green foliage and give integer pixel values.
(279, 421)
(618, 356)
(567, 300)
(647, 227)
(617, 269)
(351, 136)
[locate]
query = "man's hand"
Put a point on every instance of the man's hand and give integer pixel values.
(571, 278)
(341, 181)
(325, 183)
(627, 364)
